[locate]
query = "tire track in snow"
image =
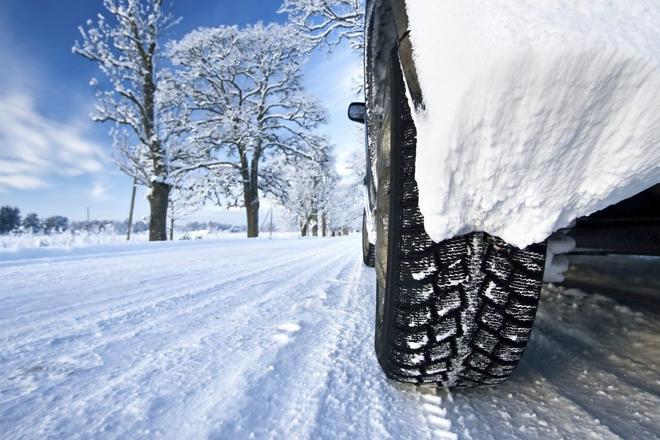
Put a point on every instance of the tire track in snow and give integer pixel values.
(146, 274)
(248, 361)
(266, 389)
(179, 351)
(350, 391)
(598, 392)
(436, 416)
(124, 310)
(321, 258)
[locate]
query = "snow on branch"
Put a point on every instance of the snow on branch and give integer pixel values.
(124, 43)
(246, 105)
(328, 22)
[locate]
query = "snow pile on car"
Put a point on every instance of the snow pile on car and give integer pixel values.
(535, 113)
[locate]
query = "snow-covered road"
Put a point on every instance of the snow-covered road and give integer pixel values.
(273, 339)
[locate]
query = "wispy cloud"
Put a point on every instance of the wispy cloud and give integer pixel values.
(98, 191)
(34, 150)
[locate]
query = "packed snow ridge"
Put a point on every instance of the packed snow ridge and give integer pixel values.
(535, 113)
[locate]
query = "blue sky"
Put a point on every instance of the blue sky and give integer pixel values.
(54, 159)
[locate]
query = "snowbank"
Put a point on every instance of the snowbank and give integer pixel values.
(36, 246)
(64, 240)
(536, 112)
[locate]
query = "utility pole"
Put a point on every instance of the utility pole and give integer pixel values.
(130, 212)
(266, 218)
(271, 224)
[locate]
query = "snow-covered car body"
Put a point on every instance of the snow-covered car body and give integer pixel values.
(529, 116)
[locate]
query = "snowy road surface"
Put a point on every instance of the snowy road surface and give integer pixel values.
(273, 339)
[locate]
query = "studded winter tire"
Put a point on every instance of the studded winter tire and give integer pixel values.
(455, 313)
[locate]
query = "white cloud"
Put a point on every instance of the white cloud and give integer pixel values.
(98, 191)
(34, 149)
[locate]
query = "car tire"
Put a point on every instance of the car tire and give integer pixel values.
(454, 313)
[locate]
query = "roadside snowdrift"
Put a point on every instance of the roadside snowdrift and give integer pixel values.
(535, 112)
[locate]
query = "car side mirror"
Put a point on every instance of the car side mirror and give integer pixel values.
(357, 112)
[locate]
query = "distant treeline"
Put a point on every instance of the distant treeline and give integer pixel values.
(11, 221)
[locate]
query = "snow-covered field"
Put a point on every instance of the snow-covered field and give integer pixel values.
(235, 339)
(67, 241)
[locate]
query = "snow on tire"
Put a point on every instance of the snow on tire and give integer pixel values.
(368, 251)
(455, 313)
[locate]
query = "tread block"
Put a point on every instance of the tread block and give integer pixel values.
(408, 163)
(418, 269)
(437, 368)
(452, 251)
(441, 350)
(411, 341)
(409, 191)
(497, 294)
(491, 317)
(411, 217)
(531, 259)
(522, 285)
(498, 266)
(435, 378)
(405, 372)
(515, 333)
(413, 318)
(479, 361)
(485, 339)
(452, 277)
(449, 301)
(446, 328)
(508, 352)
(409, 360)
(521, 311)
(415, 294)
(415, 243)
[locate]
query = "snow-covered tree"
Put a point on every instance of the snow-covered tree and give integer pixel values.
(347, 203)
(32, 223)
(308, 193)
(184, 200)
(10, 219)
(247, 109)
(328, 22)
(125, 43)
(56, 223)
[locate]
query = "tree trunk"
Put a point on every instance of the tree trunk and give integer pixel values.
(158, 201)
(303, 229)
(324, 224)
(251, 194)
(251, 201)
(315, 225)
(172, 229)
(252, 211)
